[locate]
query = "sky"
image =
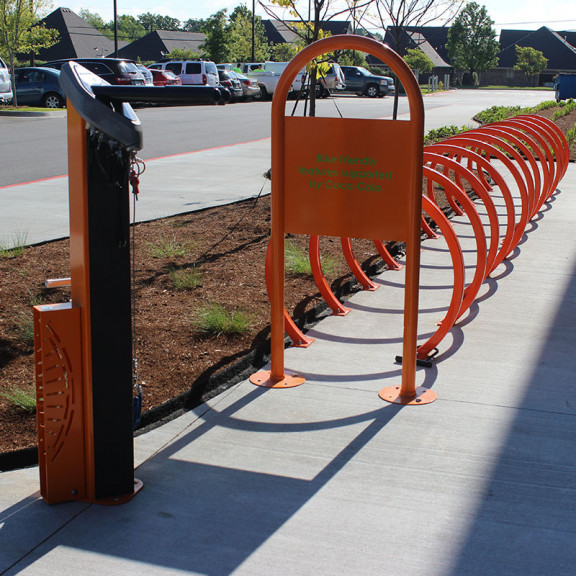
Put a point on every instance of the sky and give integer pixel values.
(512, 14)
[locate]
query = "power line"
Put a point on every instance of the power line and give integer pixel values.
(536, 22)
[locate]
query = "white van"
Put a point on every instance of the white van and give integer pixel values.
(5, 83)
(191, 72)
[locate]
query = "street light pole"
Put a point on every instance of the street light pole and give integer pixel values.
(115, 30)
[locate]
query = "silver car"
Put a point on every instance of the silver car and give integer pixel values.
(148, 80)
(250, 88)
(5, 83)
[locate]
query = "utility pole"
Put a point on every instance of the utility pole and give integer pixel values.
(253, 29)
(115, 30)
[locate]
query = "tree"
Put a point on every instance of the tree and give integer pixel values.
(217, 37)
(404, 14)
(417, 60)
(152, 22)
(184, 54)
(310, 16)
(194, 25)
(352, 58)
(530, 61)
(93, 19)
(472, 43)
(240, 37)
(283, 52)
(129, 28)
(20, 31)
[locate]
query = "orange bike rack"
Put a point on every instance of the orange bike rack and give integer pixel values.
(312, 193)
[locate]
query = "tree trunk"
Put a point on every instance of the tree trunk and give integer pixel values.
(313, 84)
(396, 99)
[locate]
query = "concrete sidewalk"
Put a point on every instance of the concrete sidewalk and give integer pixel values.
(171, 185)
(328, 479)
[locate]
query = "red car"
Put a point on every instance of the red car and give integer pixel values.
(165, 78)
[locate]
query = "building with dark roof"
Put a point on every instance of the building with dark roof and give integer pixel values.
(280, 32)
(77, 38)
(155, 45)
(555, 46)
(558, 47)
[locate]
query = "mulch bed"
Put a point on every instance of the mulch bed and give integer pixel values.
(178, 364)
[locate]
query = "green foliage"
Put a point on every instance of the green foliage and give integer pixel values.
(167, 249)
(186, 278)
(438, 134)
(184, 54)
(217, 45)
(565, 110)
(417, 60)
(240, 37)
(283, 52)
(497, 113)
(23, 398)
(93, 19)
(194, 25)
(472, 43)
(352, 58)
(20, 31)
(152, 22)
(571, 135)
(530, 61)
(545, 105)
(297, 261)
(129, 28)
(13, 247)
(215, 319)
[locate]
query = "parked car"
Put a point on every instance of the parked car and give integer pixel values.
(5, 83)
(39, 86)
(148, 81)
(113, 70)
(165, 78)
(229, 80)
(334, 79)
(250, 88)
(363, 83)
(191, 72)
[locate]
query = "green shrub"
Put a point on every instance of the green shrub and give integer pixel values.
(571, 135)
(545, 105)
(216, 320)
(565, 110)
(438, 134)
(497, 113)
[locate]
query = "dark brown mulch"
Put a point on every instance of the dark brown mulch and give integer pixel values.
(228, 245)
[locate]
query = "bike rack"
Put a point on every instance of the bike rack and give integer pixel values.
(534, 154)
(301, 205)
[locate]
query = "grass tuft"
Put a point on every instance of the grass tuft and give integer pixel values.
(167, 249)
(23, 327)
(13, 247)
(23, 398)
(297, 261)
(216, 320)
(186, 278)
